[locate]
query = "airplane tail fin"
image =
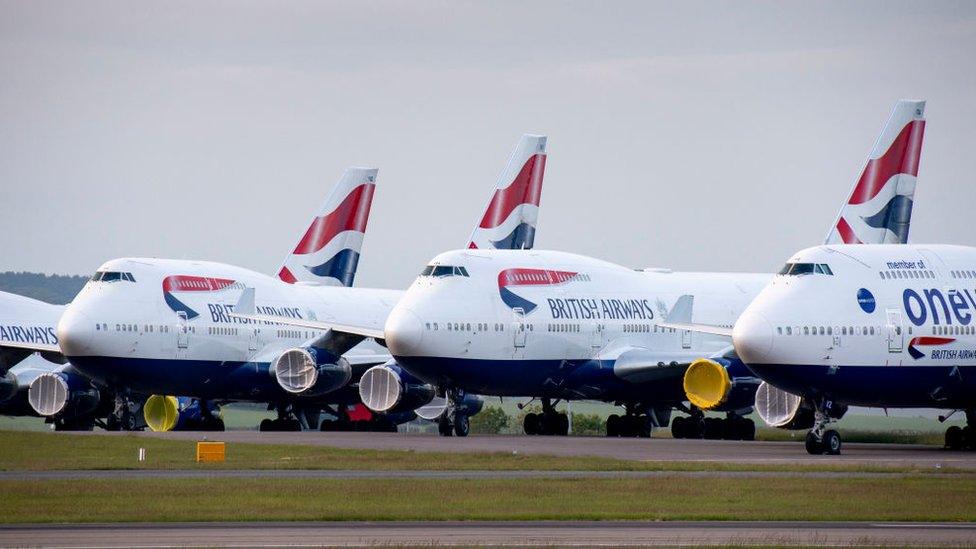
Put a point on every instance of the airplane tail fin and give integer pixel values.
(329, 250)
(879, 209)
(510, 218)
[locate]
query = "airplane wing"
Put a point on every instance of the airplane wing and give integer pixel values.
(641, 365)
(245, 309)
(701, 328)
(12, 352)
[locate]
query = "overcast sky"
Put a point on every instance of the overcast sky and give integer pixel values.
(715, 136)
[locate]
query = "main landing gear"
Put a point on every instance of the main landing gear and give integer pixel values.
(358, 419)
(633, 424)
(124, 415)
(549, 422)
(731, 427)
(962, 438)
(454, 420)
(821, 440)
(290, 419)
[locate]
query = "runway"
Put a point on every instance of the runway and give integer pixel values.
(654, 449)
(489, 533)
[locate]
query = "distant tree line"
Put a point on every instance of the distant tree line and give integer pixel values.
(56, 289)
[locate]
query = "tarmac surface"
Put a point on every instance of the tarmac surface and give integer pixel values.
(297, 534)
(653, 449)
(149, 474)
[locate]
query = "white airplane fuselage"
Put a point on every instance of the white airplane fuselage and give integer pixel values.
(555, 324)
(890, 325)
(165, 326)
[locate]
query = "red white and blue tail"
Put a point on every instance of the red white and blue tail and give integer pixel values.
(510, 218)
(879, 210)
(329, 250)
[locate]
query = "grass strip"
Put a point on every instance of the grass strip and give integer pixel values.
(924, 498)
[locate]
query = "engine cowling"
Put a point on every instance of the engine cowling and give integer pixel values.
(468, 406)
(388, 388)
(783, 410)
(720, 385)
(169, 413)
(63, 395)
(298, 372)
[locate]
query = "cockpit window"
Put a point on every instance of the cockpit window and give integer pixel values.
(443, 270)
(112, 276)
(798, 269)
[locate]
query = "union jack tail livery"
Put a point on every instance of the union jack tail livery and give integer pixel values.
(879, 210)
(510, 218)
(329, 250)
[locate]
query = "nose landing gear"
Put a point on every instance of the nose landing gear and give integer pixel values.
(821, 440)
(454, 419)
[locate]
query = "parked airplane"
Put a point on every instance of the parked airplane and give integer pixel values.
(558, 326)
(878, 211)
(26, 323)
(121, 331)
(883, 326)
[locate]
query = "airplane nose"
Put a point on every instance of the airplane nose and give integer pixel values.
(75, 333)
(404, 332)
(752, 337)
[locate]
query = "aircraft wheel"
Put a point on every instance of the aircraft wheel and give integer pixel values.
(128, 422)
(461, 425)
(713, 428)
(531, 424)
(216, 425)
(444, 426)
(968, 438)
(613, 425)
(562, 424)
(831, 443)
(814, 446)
(642, 427)
(953, 438)
(679, 427)
(748, 430)
(266, 425)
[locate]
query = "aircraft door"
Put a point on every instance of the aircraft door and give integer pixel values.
(896, 335)
(518, 328)
(252, 344)
(686, 339)
(596, 341)
(182, 332)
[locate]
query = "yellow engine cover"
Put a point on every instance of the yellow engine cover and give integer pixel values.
(707, 384)
(161, 412)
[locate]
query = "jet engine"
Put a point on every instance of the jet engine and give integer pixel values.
(63, 394)
(170, 413)
(388, 388)
(784, 410)
(8, 386)
(298, 372)
(719, 384)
